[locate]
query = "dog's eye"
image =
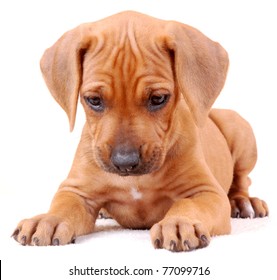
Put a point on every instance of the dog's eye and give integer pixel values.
(157, 101)
(95, 103)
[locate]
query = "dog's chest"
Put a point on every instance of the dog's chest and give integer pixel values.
(138, 207)
(135, 193)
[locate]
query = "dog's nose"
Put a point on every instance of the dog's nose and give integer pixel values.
(125, 159)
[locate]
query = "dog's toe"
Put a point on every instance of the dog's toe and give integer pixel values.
(248, 207)
(24, 231)
(43, 230)
(64, 234)
(179, 234)
(259, 206)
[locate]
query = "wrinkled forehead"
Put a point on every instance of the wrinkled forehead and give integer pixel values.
(126, 53)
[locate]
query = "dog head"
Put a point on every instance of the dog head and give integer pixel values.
(131, 72)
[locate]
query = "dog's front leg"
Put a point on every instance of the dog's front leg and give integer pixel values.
(69, 216)
(190, 222)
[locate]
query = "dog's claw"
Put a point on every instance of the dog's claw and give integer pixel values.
(35, 241)
(204, 241)
(187, 246)
(157, 244)
(15, 234)
(56, 242)
(23, 240)
(173, 246)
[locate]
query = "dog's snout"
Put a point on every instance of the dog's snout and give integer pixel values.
(125, 159)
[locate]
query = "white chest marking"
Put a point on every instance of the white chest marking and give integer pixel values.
(135, 193)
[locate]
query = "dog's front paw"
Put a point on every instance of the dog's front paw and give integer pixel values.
(179, 234)
(44, 230)
(248, 207)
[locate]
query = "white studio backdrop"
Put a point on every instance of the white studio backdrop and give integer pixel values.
(36, 147)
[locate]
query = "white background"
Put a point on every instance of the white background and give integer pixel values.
(36, 148)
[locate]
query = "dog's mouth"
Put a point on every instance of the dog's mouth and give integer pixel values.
(129, 162)
(137, 170)
(128, 172)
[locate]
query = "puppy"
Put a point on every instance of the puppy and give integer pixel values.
(152, 152)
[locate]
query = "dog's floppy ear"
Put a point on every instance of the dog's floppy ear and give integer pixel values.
(200, 66)
(61, 66)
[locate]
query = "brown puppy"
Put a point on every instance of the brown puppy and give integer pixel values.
(151, 152)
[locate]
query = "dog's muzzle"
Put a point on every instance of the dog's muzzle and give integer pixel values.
(129, 160)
